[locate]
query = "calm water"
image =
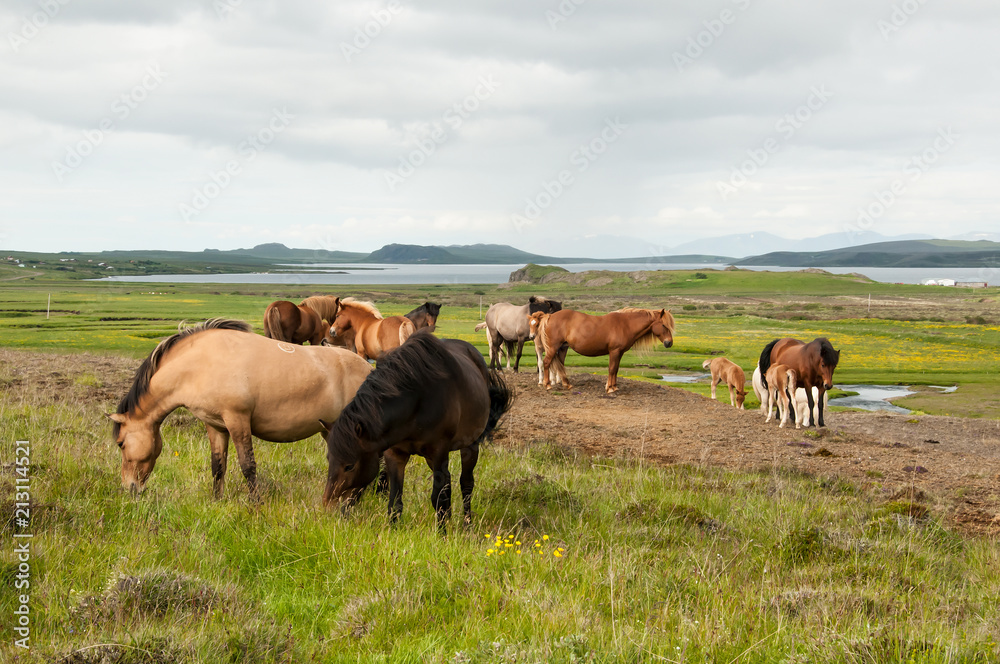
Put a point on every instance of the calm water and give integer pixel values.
(331, 273)
(873, 397)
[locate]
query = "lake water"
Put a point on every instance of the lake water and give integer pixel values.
(333, 273)
(873, 397)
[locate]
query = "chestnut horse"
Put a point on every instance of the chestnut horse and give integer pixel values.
(426, 315)
(297, 324)
(780, 381)
(813, 363)
(727, 370)
(373, 335)
(428, 397)
(611, 334)
(239, 384)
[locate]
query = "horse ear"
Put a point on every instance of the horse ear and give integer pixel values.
(663, 312)
(118, 418)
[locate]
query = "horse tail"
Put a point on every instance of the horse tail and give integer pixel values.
(501, 399)
(706, 364)
(765, 362)
(406, 328)
(272, 324)
(481, 326)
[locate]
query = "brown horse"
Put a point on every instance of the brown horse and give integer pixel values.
(428, 397)
(373, 335)
(426, 315)
(239, 384)
(611, 334)
(813, 363)
(727, 370)
(297, 324)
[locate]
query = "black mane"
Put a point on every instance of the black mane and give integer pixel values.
(827, 353)
(429, 308)
(140, 384)
(420, 360)
(545, 305)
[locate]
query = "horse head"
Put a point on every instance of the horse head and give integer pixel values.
(535, 322)
(350, 470)
(140, 445)
(741, 395)
(663, 327)
(828, 359)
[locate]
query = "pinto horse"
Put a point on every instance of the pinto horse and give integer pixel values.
(611, 334)
(428, 397)
(426, 315)
(297, 324)
(374, 336)
(726, 370)
(813, 363)
(239, 384)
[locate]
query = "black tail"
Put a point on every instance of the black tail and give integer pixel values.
(501, 399)
(765, 362)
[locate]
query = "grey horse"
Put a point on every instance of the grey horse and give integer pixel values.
(507, 323)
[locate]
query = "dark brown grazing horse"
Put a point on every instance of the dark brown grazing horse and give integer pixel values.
(427, 397)
(426, 315)
(813, 363)
(611, 334)
(299, 323)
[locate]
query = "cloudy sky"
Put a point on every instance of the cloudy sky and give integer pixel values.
(137, 124)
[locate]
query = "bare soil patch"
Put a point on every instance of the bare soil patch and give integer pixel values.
(949, 464)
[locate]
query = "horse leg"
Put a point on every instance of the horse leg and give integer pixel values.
(240, 431)
(563, 377)
(772, 396)
(614, 360)
(219, 439)
(715, 381)
(547, 370)
(810, 418)
(538, 359)
(517, 360)
(470, 456)
(395, 467)
(819, 405)
(732, 397)
(495, 344)
(441, 489)
(510, 351)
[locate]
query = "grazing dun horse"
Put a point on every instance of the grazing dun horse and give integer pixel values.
(239, 384)
(781, 386)
(426, 315)
(507, 324)
(373, 335)
(813, 363)
(727, 370)
(302, 322)
(612, 334)
(428, 397)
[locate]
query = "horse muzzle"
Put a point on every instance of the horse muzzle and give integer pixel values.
(668, 343)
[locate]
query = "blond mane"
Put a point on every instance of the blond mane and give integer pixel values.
(324, 305)
(361, 305)
(649, 340)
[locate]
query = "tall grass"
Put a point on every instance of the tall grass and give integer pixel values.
(633, 562)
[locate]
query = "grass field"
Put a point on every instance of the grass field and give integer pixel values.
(633, 562)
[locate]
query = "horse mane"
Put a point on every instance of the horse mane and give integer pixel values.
(648, 340)
(422, 359)
(324, 305)
(427, 307)
(140, 384)
(827, 353)
(361, 305)
(765, 362)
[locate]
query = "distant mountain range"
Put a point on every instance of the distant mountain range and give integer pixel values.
(896, 253)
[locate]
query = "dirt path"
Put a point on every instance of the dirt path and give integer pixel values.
(951, 464)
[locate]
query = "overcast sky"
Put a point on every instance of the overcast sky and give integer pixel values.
(138, 124)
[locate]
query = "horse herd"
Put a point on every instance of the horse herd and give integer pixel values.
(425, 396)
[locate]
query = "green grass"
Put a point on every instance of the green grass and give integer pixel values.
(658, 564)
